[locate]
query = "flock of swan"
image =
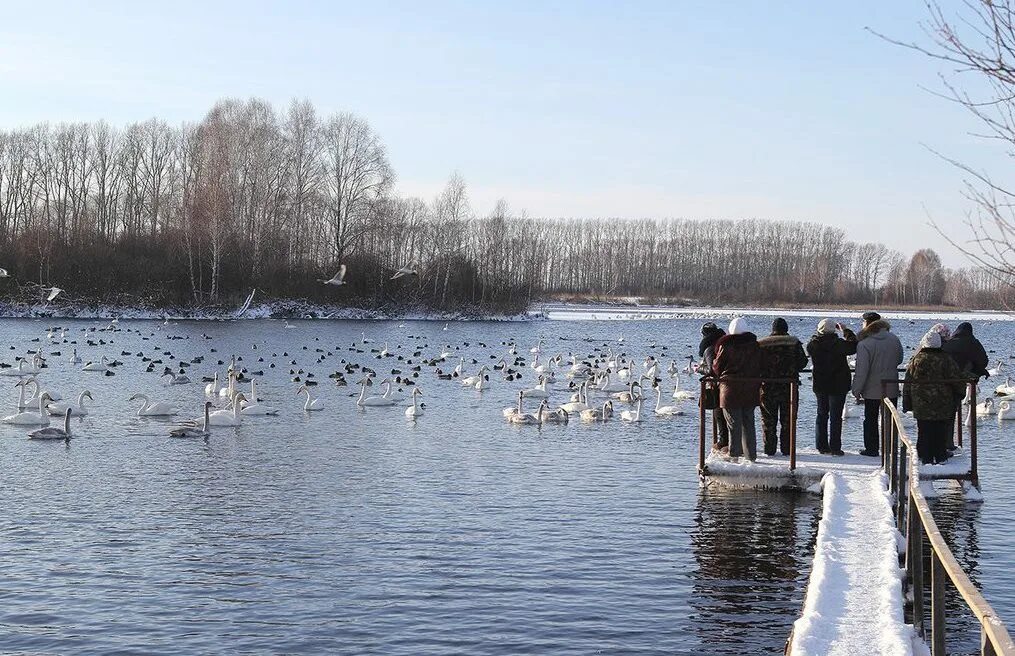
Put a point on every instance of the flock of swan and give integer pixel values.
(563, 385)
(596, 383)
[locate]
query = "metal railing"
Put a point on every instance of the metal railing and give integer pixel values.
(912, 512)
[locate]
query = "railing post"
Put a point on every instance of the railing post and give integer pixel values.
(701, 429)
(937, 605)
(794, 399)
(916, 555)
(903, 488)
(972, 438)
(986, 646)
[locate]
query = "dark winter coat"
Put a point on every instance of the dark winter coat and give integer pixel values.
(932, 401)
(738, 356)
(830, 368)
(878, 356)
(709, 339)
(967, 351)
(784, 356)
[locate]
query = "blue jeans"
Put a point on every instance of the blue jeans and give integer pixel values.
(828, 425)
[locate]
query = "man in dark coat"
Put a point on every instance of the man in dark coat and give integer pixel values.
(784, 357)
(967, 351)
(831, 380)
(710, 334)
(737, 356)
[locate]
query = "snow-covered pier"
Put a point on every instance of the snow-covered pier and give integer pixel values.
(866, 591)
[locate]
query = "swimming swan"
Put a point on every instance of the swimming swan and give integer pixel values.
(52, 432)
(149, 409)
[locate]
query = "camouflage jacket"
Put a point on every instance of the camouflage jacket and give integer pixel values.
(784, 356)
(932, 401)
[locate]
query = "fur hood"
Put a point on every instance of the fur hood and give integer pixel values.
(876, 328)
(778, 340)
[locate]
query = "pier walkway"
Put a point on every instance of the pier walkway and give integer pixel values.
(879, 556)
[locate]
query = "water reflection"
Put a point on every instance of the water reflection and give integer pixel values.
(753, 551)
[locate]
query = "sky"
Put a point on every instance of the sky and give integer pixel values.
(671, 109)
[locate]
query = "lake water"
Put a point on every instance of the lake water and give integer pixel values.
(354, 531)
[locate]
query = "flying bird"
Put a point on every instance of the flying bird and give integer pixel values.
(4, 274)
(337, 279)
(405, 271)
(53, 292)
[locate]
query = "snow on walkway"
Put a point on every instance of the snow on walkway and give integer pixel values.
(854, 601)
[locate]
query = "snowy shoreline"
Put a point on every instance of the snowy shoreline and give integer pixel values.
(539, 312)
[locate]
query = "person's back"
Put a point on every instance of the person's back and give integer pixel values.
(878, 356)
(967, 351)
(783, 357)
(737, 355)
(831, 379)
(933, 402)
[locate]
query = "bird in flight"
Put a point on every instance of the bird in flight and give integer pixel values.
(4, 274)
(405, 271)
(337, 279)
(53, 292)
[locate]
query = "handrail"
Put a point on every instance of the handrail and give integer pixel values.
(994, 637)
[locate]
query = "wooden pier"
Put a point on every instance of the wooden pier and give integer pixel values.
(881, 566)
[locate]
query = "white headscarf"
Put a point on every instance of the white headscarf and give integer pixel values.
(738, 326)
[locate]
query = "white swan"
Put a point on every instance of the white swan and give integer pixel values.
(312, 404)
(101, 365)
(1004, 412)
(537, 392)
(581, 403)
(1005, 388)
(149, 409)
(666, 410)
(679, 394)
(254, 406)
(228, 391)
(595, 414)
(512, 410)
(39, 418)
(212, 388)
(52, 432)
(629, 395)
(193, 430)
(997, 370)
(365, 400)
(633, 415)
(472, 381)
(228, 417)
(414, 410)
(57, 409)
(985, 408)
(74, 358)
(390, 392)
(608, 386)
(519, 417)
(177, 379)
(547, 416)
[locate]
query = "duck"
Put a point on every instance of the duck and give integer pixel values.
(53, 432)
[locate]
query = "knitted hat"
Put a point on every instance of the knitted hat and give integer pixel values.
(738, 326)
(826, 326)
(931, 340)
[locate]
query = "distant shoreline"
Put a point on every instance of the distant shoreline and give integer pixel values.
(293, 309)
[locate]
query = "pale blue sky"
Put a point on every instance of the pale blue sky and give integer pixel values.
(637, 109)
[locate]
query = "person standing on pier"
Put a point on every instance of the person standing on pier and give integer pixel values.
(738, 356)
(967, 351)
(784, 357)
(933, 403)
(710, 334)
(878, 356)
(831, 382)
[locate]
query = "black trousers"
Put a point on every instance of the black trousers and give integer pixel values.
(828, 424)
(932, 439)
(722, 429)
(775, 416)
(872, 424)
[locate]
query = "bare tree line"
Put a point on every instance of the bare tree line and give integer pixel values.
(251, 197)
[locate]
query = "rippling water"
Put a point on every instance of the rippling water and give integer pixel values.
(354, 531)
